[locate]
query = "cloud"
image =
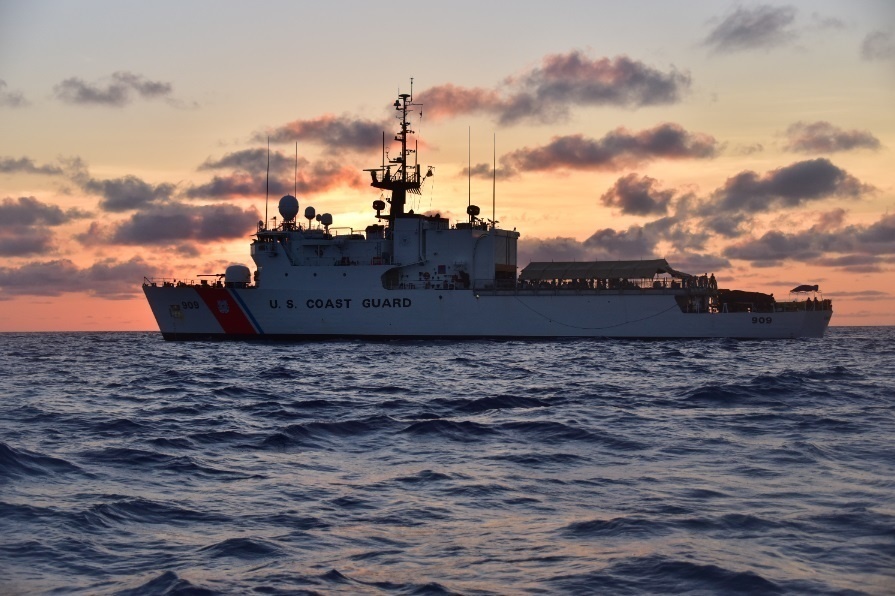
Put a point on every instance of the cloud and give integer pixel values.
(830, 220)
(25, 225)
(21, 242)
(28, 211)
(633, 243)
(636, 242)
(117, 92)
(334, 133)
(823, 137)
(25, 165)
(555, 249)
(692, 262)
(726, 224)
(546, 93)
(11, 99)
(864, 295)
(789, 186)
(108, 278)
(821, 22)
(254, 161)
(172, 223)
(617, 149)
(748, 149)
(854, 248)
(637, 196)
(127, 193)
(878, 45)
(485, 170)
(755, 27)
(250, 178)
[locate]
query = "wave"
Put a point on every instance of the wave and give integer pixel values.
(485, 404)
(157, 461)
(20, 462)
(167, 584)
(243, 548)
(465, 431)
(617, 527)
(557, 433)
(658, 574)
(144, 511)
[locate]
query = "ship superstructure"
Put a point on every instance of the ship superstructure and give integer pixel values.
(417, 275)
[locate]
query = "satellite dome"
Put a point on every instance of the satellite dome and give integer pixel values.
(288, 207)
(326, 219)
(310, 212)
(237, 275)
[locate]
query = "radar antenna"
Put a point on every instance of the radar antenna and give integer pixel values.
(398, 175)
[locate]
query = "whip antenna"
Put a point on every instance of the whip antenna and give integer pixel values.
(267, 183)
(494, 185)
(469, 165)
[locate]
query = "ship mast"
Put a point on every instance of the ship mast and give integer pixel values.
(406, 177)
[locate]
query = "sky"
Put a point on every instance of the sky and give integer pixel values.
(750, 140)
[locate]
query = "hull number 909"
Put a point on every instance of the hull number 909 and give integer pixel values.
(192, 304)
(761, 320)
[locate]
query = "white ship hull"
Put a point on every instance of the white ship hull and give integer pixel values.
(215, 312)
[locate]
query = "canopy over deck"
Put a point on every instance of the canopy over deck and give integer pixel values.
(599, 270)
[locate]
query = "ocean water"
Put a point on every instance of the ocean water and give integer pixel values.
(129, 465)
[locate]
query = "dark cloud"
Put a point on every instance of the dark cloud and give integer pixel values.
(789, 186)
(547, 92)
(173, 223)
(691, 262)
(11, 99)
(25, 226)
(26, 241)
(679, 232)
(126, 193)
(617, 149)
(864, 295)
(823, 137)
(878, 45)
(106, 279)
(748, 149)
(335, 134)
(753, 27)
(312, 178)
(25, 165)
(863, 263)
(636, 242)
(847, 247)
(117, 92)
(637, 195)
(877, 238)
(633, 243)
(27, 212)
(554, 249)
(485, 170)
(255, 162)
(830, 220)
(726, 224)
(773, 248)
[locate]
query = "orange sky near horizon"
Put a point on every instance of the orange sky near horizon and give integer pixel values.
(752, 141)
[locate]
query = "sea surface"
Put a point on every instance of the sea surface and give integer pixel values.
(131, 465)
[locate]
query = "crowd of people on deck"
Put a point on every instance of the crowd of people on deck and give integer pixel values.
(617, 283)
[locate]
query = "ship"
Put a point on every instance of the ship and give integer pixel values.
(417, 275)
